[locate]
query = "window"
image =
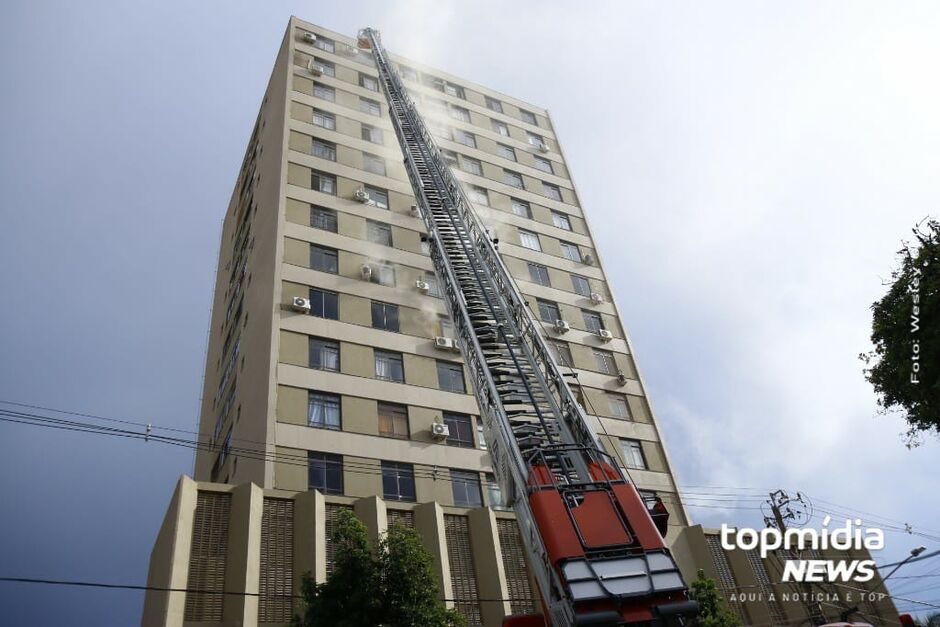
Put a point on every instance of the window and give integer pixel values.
(369, 106)
(465, 138)
(481, 438)
(450, 377)
(513, 178)
(562, 353)
(372, 134)
(605, 361)
(529, 240)
(389, 367)
(324, 150)
(324, 120)
(500, 128)
(327, 68)
(539, 274)
(561, 221)
(384, 316)
(592, 321)
(460, 114)
(548, 311)
(373, 163)
(521, 208)
(398, 481)
(506, 152)
(494, 105)
(447, 327)
(618, 406)
(571, 252)
(408, 73)
(528, 117)
(471, 165)
(544, 165)
(478, 195)
(368, 82)
(323, 182)
(466, 486)
(534, 139)
(461, 430)
(383, 275)
(633, 454)
(324, 304)
(581, 285)
(454, 90)
(552, 191)
(378, 196)
(324, 354)
(494, 493)
(325, 472)
(323, 259)
(324, 43)
(449, 156)
(379, 233)
(323, 218)
(324, 91)
(393, 421)
(323, 410)
(434, 288)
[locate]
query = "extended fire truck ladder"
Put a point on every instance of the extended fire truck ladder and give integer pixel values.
(596, 555)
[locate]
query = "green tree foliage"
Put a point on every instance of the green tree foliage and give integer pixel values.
(904, 367)
(392, 586)
(713, 611)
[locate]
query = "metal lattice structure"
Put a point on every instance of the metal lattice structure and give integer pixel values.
(207, 557)
(276, 579)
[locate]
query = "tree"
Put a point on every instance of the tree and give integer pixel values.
(393, 586)
(713, 610)
(904, 367)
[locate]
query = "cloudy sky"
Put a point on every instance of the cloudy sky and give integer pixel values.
(749, 169)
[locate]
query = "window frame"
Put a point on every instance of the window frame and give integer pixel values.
(545, 307)
(477, 168)
(528, 117)
(374, 227)
(325, 298)
(464, 138)
(402, 474)
(634, 458)
(396, 413)
(323, 149)
(618, 406)
(568, 247)
(331, 463)
(590, 316)
(370, 107)
(462, 484)
(324, 115)
(329, 257)
(450, 377)
(461, 429)
(525, 235)
(515, 203)
(490, 102)
(378, 192)
(498, 127)
(329, 401)
(542, 161)
(578, 280)
(317, 180)
(396, 365)
(330, 218)
(538, 272)
(365, 78)
(375, 135)
(552, 191)
(513, 179)
(373, 163)
(316, 345)
(382, 309)
(604, 361)
(561, 221)
(506, 152)
(323, 92)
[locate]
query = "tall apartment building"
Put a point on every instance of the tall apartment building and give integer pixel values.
(336, 406)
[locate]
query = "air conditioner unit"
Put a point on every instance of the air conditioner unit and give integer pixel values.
(543, 147)
(440, 431)
(446, 344)
(366, 272)
(309, 38)
(415, 212)
(362, 195)
(596, 298)
(588, 259)
(423, 286)
(621, 377)
(605, 335)
(561, 326)
(300, 304)
(314, 68)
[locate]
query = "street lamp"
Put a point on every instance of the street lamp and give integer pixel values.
(914, 553)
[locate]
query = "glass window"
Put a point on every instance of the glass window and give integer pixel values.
(460, 427)
(324, 91)
(552, 191)
(548, 311)
(384, 316)
(398, 481)
(539, 274)
(571, 252)
(324, 120)
(460, 114)
(372, 134)
(323, 218)
(633, 454)
(454, 90)
(494, 105)
(581, 285)
(528, 117)
(478, 195)
(379, 233)
(368, 82)
(447, 327)
(324, 354)
(383, 275)
(324, 149)
(471, 165)
(495, 494)
(389, 367)
(373, 163)
(450, 377)
(449, 156)
(378, 196)
(324, 304)
(371, 107)
(534, 139)
(561, 221)
(323, 410)
(529, 240)
(592, 321)
(466, 486)
(562, 353)
(513, 178)
(465, 138)
(434, 287)
(393, 421)
(323, 259)
(506, 152)
(325, 472)
(324, 43)
(605, 361)
(323, 182)
(521, 208)
(500, 128)
(544, 165)
(327, 68)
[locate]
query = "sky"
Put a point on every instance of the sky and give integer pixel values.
(749, 170)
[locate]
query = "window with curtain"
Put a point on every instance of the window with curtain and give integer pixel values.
(393, 421)
(323, 182)
(324, 354)
(324, 149)
(571, 252)
(389, 366)
(323, 218)
(529, 240)
(561, 221)
(539, 274)
(581, 285)
(323, 410)
(605, 361)
(521, 208)
(633, 454)
(548, 311)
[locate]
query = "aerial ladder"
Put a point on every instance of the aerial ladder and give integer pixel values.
(594, 550)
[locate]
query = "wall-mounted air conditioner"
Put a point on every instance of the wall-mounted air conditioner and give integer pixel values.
(300, 304)
(561, 326)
